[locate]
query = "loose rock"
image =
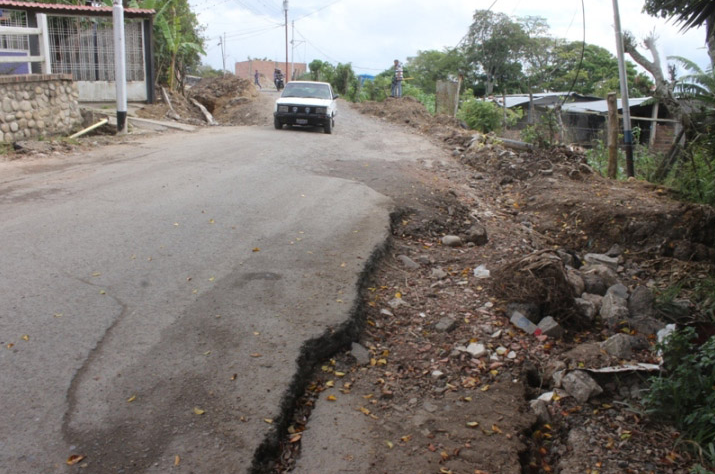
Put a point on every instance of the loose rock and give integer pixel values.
(580, 385)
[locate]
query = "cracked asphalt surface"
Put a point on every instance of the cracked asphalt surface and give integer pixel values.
(157, 295)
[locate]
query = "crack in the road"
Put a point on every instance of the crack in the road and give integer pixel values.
(313, 352)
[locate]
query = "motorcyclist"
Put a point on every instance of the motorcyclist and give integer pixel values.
(278, 79)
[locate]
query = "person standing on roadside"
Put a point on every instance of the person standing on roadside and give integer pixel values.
(255, 79)
(397, 80)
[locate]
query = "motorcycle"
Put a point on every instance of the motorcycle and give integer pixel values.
(279, 84)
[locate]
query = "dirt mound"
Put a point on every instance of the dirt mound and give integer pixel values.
(230, 99)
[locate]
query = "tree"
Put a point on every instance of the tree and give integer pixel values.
(178, 46)
(431, 66)
(597, 73)
(690, 13)
(343, 79)
(493, 47)
(321, 70)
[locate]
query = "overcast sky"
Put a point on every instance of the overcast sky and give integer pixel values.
(370, 34)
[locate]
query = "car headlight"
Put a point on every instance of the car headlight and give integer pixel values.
(321, 110)
(282, 108)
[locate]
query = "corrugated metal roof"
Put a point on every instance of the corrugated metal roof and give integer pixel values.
(599, 106)
(540, 98)
(62, 8)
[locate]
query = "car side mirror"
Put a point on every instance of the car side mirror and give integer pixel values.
(336, 96)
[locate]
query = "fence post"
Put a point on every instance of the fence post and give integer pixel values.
(612, 135)
(44, 40)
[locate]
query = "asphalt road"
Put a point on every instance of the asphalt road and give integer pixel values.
(156, 295)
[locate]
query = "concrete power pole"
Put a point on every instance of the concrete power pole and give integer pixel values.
(627, 131)
(120, 70)
(285, 9)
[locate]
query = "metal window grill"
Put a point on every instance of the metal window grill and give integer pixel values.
(14, 45)
(15, 42)
(84, 47)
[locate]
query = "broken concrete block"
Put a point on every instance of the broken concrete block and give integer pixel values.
(522, 322)
(550, 327)
(586, 310)
(614, 309)
(601, 259)
(541, 410)
(619, 345)
(361, 355)
(445, 324)
(618, 289)
(477, 350)
(580, 385)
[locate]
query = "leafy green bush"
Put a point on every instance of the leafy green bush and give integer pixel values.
(481, 115)
(425, 99)
(684, 394)
(544, 133)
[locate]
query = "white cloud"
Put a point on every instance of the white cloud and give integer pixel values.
(371, 33)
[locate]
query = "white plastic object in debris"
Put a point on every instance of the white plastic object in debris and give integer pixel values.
(481, 272)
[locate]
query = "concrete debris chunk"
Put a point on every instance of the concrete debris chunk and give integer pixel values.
(522, 322)
(407, 262)
(581, 386)
(619, 345)
(550, 327)
(614, 309)
(602, 259)
(438, 273)
(477, 350)
(446, 324)
(619, 290)
(360, 353)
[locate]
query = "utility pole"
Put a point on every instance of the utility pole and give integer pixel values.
(222, 42)
(293, 42)
(285, 9)
(120, 70)
(627, 132)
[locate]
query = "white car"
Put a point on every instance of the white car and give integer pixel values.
(306, 103)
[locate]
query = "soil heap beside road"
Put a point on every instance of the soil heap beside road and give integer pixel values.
(452, 372)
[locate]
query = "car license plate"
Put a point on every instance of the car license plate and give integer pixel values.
(301, 121)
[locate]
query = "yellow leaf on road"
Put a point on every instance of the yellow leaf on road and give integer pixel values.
(25, 337)
(131, 399)
(268, 420)
(177, 460)
(211, 221)
(339, 374)
(472, 424)
(256, 249)
(295, 438)
(389, 444)
(331, 398)
(199, 411)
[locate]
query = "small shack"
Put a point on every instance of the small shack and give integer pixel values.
(79, 41)
(585, 118)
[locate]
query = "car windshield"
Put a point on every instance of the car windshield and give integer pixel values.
(313, 91)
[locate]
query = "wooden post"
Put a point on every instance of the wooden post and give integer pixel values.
(612, 135)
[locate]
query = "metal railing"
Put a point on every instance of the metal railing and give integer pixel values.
(43, 39)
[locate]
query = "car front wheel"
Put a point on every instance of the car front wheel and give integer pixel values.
(277, 123)
(328, 128)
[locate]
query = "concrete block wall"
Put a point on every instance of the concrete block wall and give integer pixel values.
(38, 105)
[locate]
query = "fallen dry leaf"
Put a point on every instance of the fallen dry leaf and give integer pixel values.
(74, 459)
(177, 460)
(131, 399)
(331, 398)
(199, 411)
(25, 337)
(295, 438)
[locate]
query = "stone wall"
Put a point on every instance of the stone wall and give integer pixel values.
(38, 105)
